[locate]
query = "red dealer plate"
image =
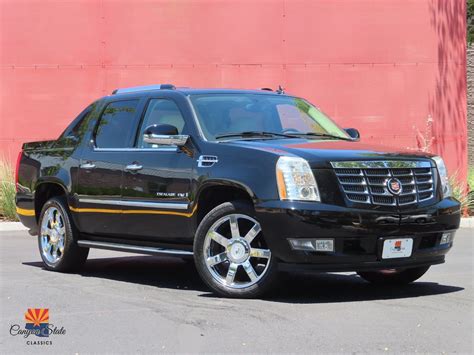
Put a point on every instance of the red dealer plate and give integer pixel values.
(397, 248)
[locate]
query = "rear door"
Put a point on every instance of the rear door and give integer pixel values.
(157, 179)
(98, 200)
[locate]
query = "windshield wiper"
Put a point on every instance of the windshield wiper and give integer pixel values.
(324, 135)
(254, 134)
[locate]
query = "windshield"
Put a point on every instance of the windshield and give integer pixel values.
(228, 114)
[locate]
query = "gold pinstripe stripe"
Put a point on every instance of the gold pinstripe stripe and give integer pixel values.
(25, 212)
(93, 210)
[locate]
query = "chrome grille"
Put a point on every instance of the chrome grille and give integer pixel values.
(366, 182)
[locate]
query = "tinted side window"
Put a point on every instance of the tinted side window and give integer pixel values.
(115, 124)
(161, 111)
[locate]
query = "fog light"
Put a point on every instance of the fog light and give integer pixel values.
(446, 238)
(312, 244)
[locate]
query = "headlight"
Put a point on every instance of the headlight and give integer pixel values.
(443, 175)
(296, 180)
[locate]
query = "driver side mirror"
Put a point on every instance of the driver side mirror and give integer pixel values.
(353, 133)
(164, 134)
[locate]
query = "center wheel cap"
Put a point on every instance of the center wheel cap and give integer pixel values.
(238, 251)
(54, 237)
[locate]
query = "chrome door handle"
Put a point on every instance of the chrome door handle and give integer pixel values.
(87, 166)
(133, 167)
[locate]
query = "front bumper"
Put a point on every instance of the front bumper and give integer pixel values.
(358, 234)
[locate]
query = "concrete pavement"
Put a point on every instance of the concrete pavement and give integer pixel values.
(123, 303)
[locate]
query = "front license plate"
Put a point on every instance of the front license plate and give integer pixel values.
(397, 248)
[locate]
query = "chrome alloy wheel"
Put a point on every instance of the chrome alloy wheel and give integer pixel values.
(53, 233)
(236, 254)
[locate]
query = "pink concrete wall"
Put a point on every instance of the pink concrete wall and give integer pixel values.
(386, 67)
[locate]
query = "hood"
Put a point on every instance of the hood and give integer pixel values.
(319, 153)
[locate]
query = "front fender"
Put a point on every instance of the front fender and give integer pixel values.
(209, 183)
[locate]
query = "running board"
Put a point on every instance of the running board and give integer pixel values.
(132, 248)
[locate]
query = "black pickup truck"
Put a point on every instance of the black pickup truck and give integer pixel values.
(246, 182)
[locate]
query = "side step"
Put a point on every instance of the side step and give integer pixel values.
(132, 248)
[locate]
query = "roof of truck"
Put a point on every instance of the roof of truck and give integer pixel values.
(192, 91)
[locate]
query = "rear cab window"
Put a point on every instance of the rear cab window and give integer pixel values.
(115, 124)
(77, 128)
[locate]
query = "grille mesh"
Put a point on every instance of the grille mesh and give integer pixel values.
(369, 185)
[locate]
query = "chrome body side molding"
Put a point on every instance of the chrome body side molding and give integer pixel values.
(157, 149)
(157, 205)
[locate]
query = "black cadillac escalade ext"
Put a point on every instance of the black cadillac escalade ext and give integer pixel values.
(246, 182)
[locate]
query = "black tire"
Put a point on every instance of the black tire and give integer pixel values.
(73, 257)
(394, 277)
(267, 279)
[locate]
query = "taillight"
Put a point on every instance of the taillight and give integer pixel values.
(17, 169)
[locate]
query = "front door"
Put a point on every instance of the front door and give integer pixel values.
(98, 200)
(157, 181)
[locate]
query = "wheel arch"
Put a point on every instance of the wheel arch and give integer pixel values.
(44, 191)
(214, 193)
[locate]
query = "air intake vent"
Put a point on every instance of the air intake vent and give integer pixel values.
(206, 161)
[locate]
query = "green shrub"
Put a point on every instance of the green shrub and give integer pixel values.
(7, 191)
(470, 194)
(461, 194)
(470, 178)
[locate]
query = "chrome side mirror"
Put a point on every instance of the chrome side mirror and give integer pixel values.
(164, 134)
